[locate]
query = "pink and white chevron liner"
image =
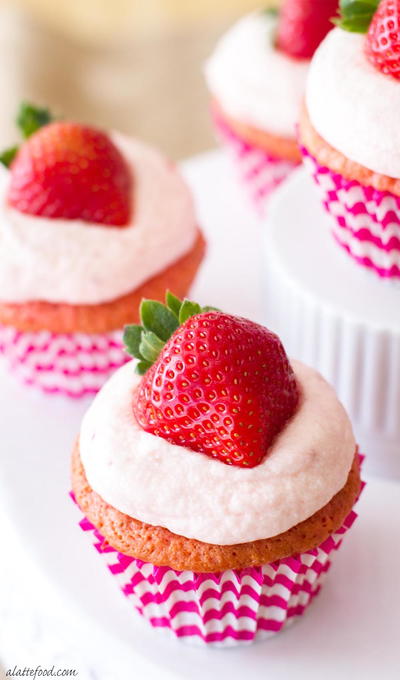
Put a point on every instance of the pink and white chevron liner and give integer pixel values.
(73, 364)
(260, 172)
(221, 609)
(366, 221)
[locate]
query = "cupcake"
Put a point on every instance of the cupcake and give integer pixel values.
(216, 478)
(350, 135)
(90, 223)
(256, 77)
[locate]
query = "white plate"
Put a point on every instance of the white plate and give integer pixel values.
(353, 625)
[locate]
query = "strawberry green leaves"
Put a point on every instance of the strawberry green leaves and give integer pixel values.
(187, 310)
(29, 119)
(173, 303)
(7, 156)
(132, 338)
(158, 319)
(183, 310)
(356, 15)
(270, 11)
(158, 322)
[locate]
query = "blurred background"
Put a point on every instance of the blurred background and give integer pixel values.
(132, 65)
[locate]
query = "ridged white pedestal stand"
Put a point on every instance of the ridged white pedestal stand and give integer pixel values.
(337, 317)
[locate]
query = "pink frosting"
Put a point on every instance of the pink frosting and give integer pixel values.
(199, 497)
(354, 106)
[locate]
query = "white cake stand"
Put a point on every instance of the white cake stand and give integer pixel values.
(336, 316)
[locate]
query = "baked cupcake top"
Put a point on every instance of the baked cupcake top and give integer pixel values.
(67, 236)
(222, 441)
(257, 72)
(353, 88)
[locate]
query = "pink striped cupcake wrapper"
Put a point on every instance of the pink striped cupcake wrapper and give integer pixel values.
(224, 609)
(366, 222)
(74, 364)
(258, 171)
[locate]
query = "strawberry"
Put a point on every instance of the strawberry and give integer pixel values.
(215, 383)
(67, 170)
(303, 24)
(382, 45)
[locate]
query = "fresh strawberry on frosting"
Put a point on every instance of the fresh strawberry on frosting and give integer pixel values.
(303, 24)
(383, 39)
(380, 20)
(215, 383)
(67, 170)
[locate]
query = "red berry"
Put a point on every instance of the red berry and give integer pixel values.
(71, 171)
(382, 45)
(222, 385)
(303, 24)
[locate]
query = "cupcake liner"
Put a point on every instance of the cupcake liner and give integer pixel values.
(73, 364)
(224, 609)
(259, 172)
(366, 221)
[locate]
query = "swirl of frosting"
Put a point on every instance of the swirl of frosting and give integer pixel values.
(352, 105)
(199, 497)
(76, 262)
(253, 81)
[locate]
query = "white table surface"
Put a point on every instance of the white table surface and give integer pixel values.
(59, 606)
